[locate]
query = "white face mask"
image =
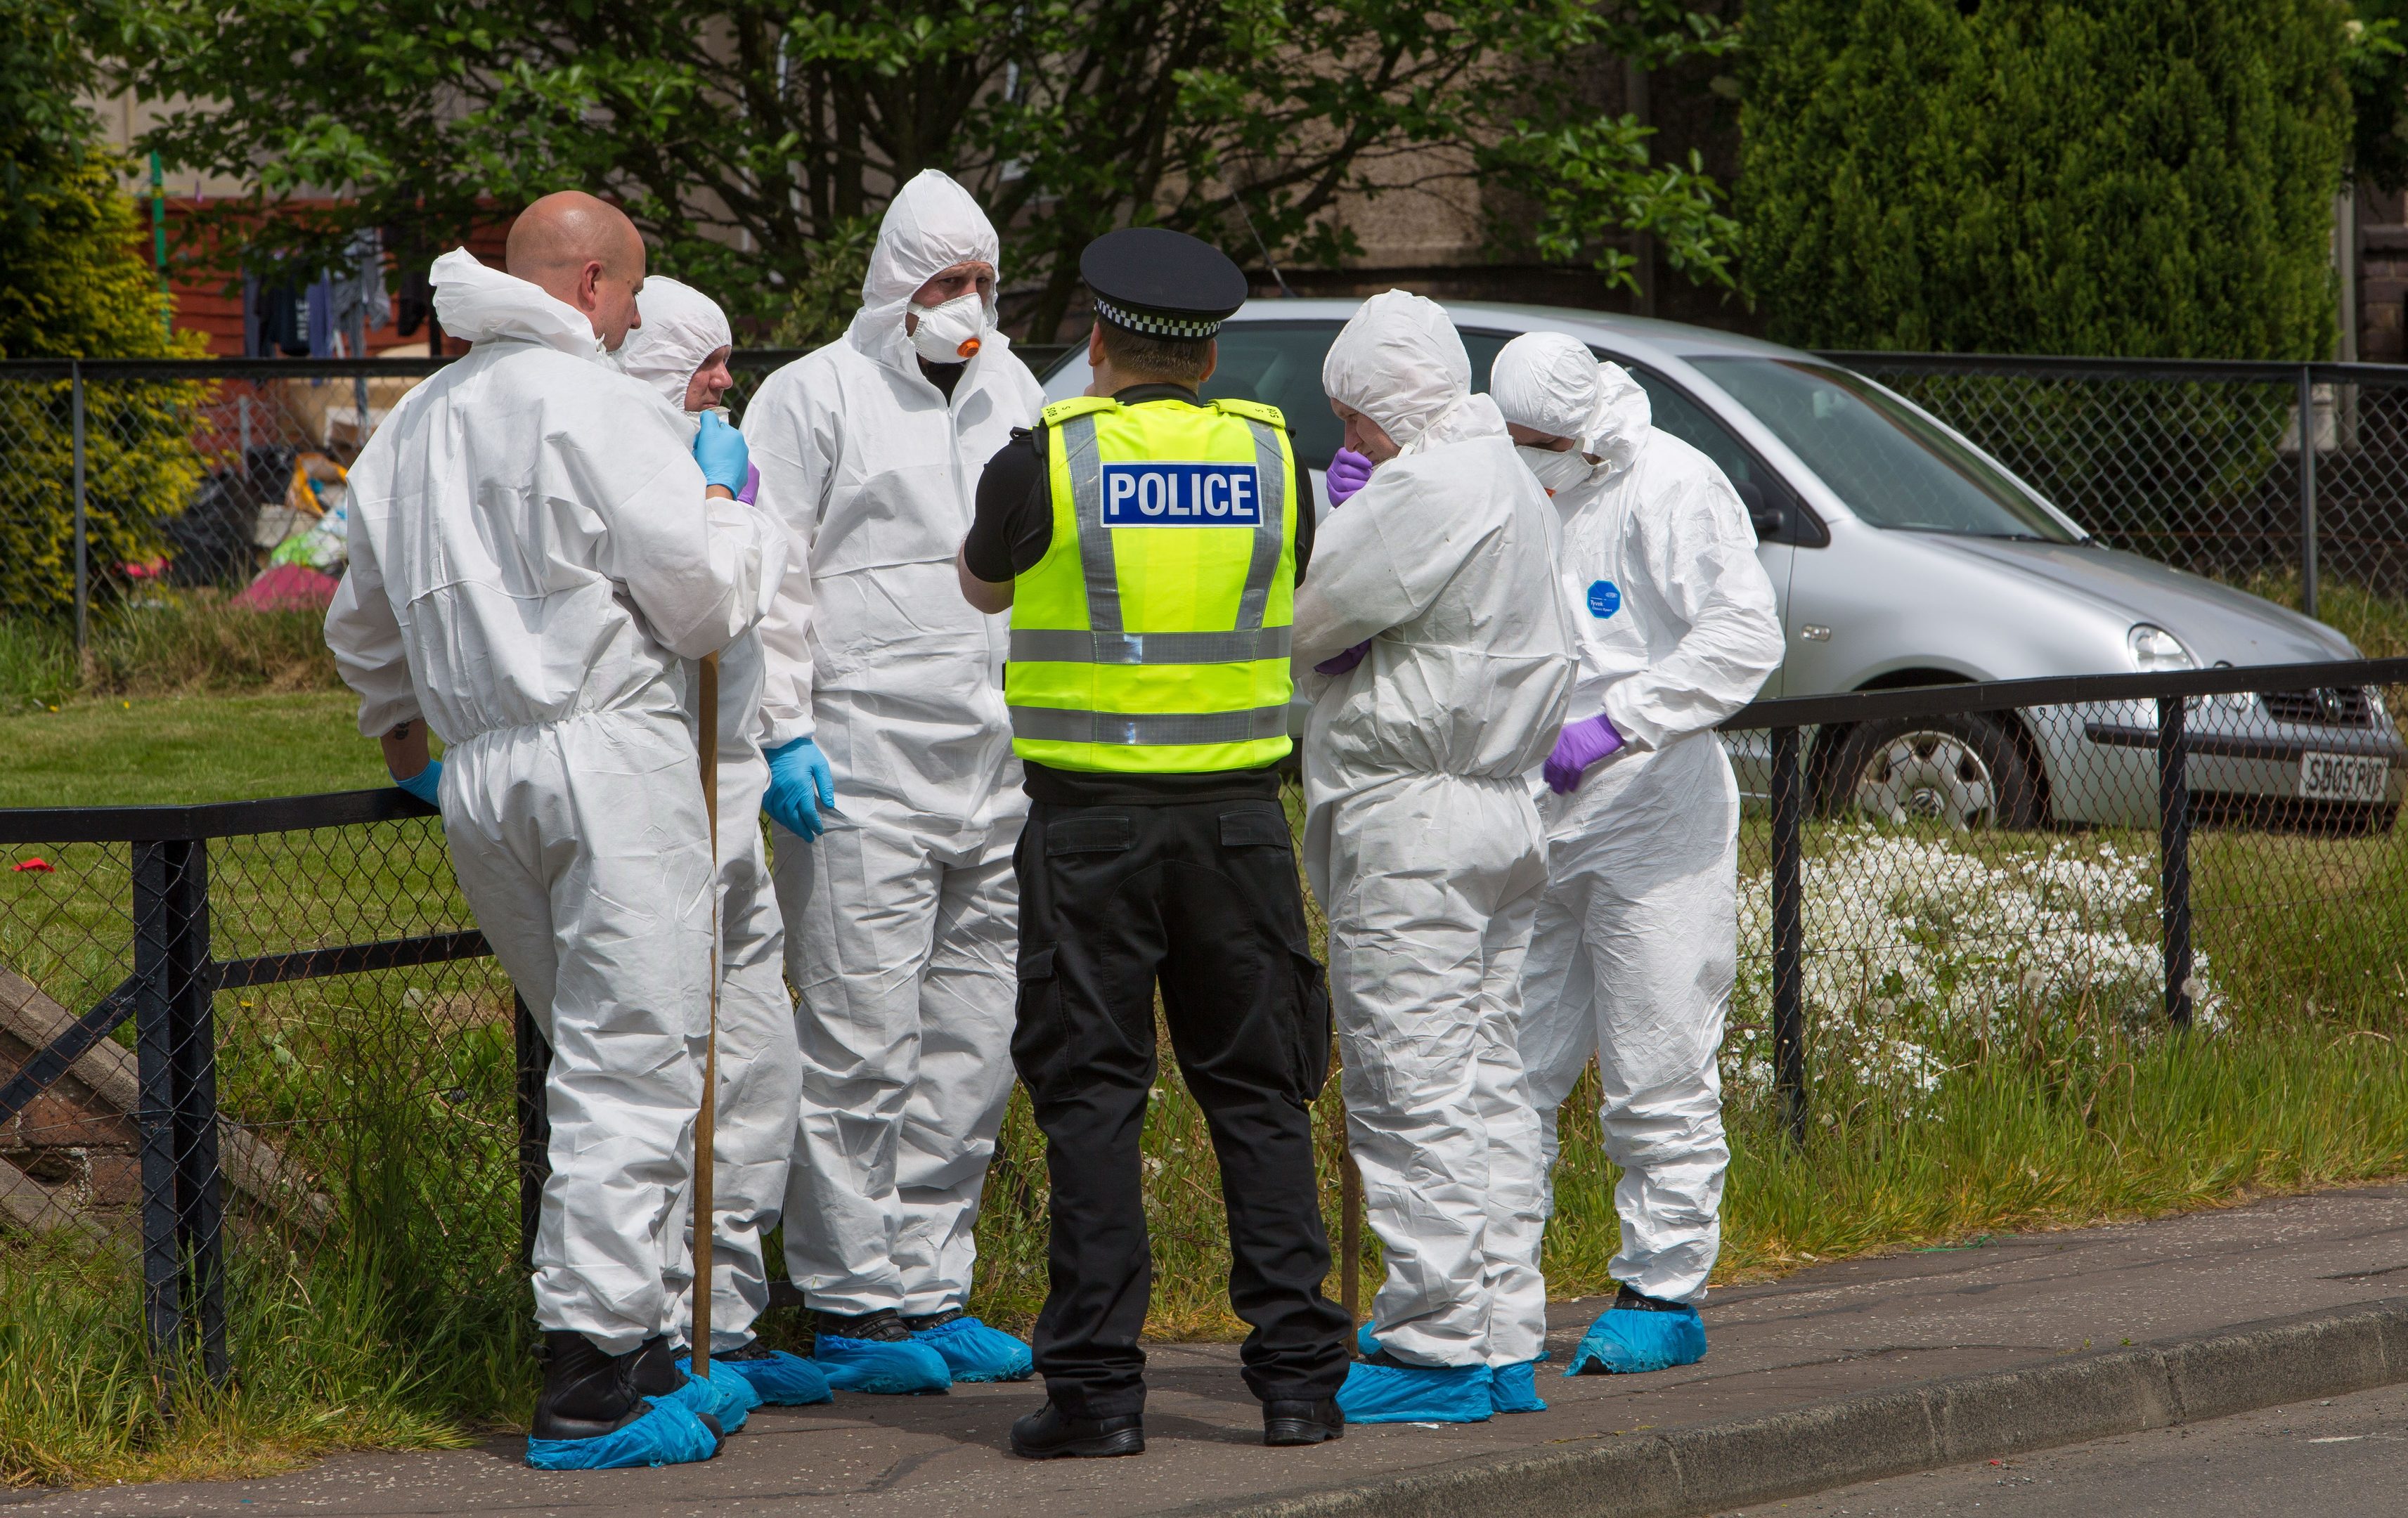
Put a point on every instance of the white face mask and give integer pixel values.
(1557, 470)
(950, 333)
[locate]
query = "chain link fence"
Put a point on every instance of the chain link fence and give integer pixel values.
(120, 477)
(238, 1042)
(2195, 463)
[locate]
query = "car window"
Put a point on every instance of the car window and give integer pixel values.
(1669, 408)
(1278, 363)
(1891, 463)
(1687, 421)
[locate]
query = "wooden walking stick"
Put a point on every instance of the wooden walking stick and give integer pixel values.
(706, 1126)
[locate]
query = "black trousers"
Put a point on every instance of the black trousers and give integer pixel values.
(1202, 897)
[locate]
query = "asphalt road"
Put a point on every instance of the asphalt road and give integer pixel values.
(2344, 1458)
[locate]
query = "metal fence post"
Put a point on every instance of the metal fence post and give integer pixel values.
(83, 558)
(535, 1128)
(1788, 932)
(2307, 490)
(2174, 847)
(199, 1201)
(154, 1117)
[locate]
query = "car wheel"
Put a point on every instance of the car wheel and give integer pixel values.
(1966, 771)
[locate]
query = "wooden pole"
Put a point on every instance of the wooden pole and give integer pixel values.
(705, 1127)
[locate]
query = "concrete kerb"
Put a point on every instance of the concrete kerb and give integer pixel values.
(1939, 1423)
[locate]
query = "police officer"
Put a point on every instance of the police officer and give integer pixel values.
(1148, 544)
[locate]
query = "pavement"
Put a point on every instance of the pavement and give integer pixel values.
(2337, 1458)
(1833, 1375)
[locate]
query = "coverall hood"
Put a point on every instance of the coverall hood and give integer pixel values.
(1400, 362)
(1551, 382)
(682, 327)
(931, 224)
(476, 302)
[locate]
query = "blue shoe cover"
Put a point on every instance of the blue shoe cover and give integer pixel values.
(974, 1351)
(728, 1399)
(1629, 1340)
(882, 1367)
(778, 1378)
(1515, 1388)
(668, 1435)
(1416, 1394)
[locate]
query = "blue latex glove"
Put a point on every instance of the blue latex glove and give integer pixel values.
(800, 784)
(1580, 745)
(1348, 472)
(720, 450)
(1338, 663)
(426, 784)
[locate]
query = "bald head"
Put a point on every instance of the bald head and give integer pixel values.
(583, 252)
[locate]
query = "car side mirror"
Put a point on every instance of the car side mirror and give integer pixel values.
(1762, 510)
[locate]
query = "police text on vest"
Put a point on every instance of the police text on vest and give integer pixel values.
(1159, 495)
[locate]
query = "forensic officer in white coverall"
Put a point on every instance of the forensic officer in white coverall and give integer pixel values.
(539, 546)
(1449, 665)
(682, 350)
(1635, 949)
(885, 692)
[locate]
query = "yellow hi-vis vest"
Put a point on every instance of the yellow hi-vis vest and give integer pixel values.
(1152, 636)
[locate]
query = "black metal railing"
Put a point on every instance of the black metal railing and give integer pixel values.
(171, 996)
(1802, 729)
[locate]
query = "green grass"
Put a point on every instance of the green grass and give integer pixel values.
(143, 750)
(405, 1324)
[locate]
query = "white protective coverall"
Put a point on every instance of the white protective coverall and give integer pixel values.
(1636, 946)
(760, 1070)
(533, 560)
(901, 920)
(1420, 838)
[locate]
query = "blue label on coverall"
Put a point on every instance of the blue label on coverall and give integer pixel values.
(1159, 494)
(1604, 599)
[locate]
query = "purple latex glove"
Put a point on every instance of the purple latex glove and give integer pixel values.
(1580, 745)
(1338, 663)
(1349, 472)
(752, 483)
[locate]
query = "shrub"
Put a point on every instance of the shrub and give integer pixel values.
(2118, 177)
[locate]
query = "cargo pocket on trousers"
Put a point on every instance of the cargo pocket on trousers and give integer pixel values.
(1037, 1033)
(1313, 1027)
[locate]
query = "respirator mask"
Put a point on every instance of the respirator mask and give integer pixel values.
(1555, 470)
(950, 333)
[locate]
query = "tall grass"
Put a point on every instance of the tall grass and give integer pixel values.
(175, 643)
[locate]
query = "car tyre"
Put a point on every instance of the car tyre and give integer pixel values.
(1968, 770)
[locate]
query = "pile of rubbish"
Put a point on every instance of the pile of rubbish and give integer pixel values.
(303, 534)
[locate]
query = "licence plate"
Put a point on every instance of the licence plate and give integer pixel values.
(2344, 777)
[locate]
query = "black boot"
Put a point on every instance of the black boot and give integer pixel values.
(1049, 1434)
(586, 1394)
(657, 1375)
(883, 1326)
(1303, 1423)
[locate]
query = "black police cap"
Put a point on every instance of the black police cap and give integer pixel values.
(1161, 283)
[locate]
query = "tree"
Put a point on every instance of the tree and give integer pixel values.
(2121, 176)
(747, 137)
(72, 285)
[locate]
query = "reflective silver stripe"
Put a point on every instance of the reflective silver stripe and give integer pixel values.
(1087, 508)
(1065, 724)
(1065, 645)
(1271, 482)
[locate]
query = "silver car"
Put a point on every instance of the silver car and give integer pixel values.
(1902, 555)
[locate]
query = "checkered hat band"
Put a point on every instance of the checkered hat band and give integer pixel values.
(1156, 326)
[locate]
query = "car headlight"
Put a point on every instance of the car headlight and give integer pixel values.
(2155, 651)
